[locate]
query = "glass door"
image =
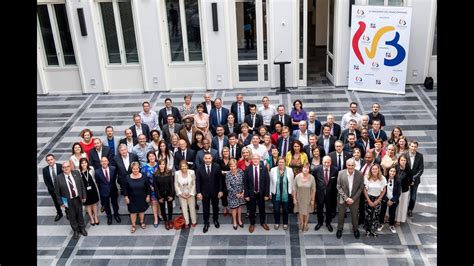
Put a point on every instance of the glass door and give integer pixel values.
(250, 44)
(330, 42)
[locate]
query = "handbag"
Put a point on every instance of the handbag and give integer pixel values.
(179, 222)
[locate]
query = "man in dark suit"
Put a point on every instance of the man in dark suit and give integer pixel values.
(122, 163)
(314, 125)
(326, 141)
(206, 148)
(352, 129)
(326, 191)
(209, 188)
(187, 131)
(168, 109)
(218, 115)
(110, 140)
(208, 103)
(98, 152)
(106, 178)
(129, 140)
(234, 147)
(253, 119)
(350, 184)
(220, 140)
(364, 141)
(339, 156)
(256, 190)
(231, 126)
(240, 108)
(313, 144)
(170, 128)
(284, 142)
(417, 167)
(50, 173)
(285, 119)
(335, 129)
(140, 128)
(183, 153)
(352, 144)
(68, 186)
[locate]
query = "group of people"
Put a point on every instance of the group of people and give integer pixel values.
(242, 156)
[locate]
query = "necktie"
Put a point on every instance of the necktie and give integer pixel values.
(183, 156)
(253, 121)
(71, 186)
(281, 120)
(107, 176)
(256, 178)
(239, 114)
(339, 165)
(232, 152)
(54, 172)
(218, 116)
(208, 170)
(326, 177)
(284, 147)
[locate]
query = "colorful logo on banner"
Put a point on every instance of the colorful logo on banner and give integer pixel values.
(401, 52)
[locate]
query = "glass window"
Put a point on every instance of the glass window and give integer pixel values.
(395, 2)
(47, 35)
(248, 73)
(193, 30)
(301, 27)
(65, 34)
(246, 30)
(331, 26)
(110, 32)
(264, 11)
(128, 29)
(330, 65)
(174, 30)
(435, 40)
(265, 72)
(376, 2)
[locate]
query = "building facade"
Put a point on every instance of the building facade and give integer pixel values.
(100, 46)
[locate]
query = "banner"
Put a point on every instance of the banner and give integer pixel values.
(379, 48)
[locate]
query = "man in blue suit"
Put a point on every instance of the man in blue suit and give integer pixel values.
(206, 148)
(218, 115)
(106, 178)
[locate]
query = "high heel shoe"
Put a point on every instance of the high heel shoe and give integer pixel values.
(235, 227)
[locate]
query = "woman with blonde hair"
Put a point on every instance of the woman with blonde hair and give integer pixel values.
(185, 187)
(374, 191)
(234, 180)
(389, 160)
(246, 159)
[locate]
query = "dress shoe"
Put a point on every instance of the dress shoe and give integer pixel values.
(251, 228)
(285, 227)
(83, 231)
(217, 224)
(58, 217)
(194, 225)
(265, 226)
(67, 215)
(109, 220)
(102, 209)
(356, 234)
(410, 213)
(276, 226)
(76, 235)
(329, 227)
(241, 225)
(339, 234)
(206, 228)
(117, 218)
(316, 228)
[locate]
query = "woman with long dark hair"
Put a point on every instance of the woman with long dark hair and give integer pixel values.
(163, 184)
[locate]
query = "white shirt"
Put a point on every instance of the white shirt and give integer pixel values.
(169, 111)
(374, 188)
(412, 160)
(190, 135)
(126, 161)
(130, 145)
(303, 137)
(350, 180)
(390, 189)
(171, 129)
(150, 118)
(221, 144)
(348, 116)
(241, 109)
(208, 107)
(357, 164)
(233, 151)
(51, 172)
(139, 130)
(73, 183)
(260, 150)
(99, 153)
(312, 127)
(267, 113)
(281, 118)
(326, 144)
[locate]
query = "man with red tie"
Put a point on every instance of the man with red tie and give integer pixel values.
(106, 177)
(369, 161)
(326, 192)
(256, 190)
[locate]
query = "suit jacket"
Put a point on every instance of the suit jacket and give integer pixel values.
(233, 109)
(236, 129)
(190, 158)
(238, 149)
(280, 144)
(122, 171)
(107, 189)
(263, 184)
(418, 167)
(94, 156)
(61, 187)
(309, 152)
(275, 175)
(209, 185)
(320, 142)
(276, 118)
(345, 156)
(321, 187)
(145, 130)
(258, 121)
(317, 127)
(343, 187)
(105, 142)
(360, 142)
(296, 134)
(213, 118)
(47, 178)
(350, 149)
(336, 130)
(163, 116)
(205, 108)
(165, 131)
(184, 135)
(199, 162)
(215, 143)
(397, 191)
(124, 141)
(344, 134)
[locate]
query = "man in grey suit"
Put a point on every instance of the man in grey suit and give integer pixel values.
(350, 183)
(170, 128)
(69, 185)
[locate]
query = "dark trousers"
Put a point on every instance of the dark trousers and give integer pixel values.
(76, 217)
(57, 205)
(362, 209)
(324, 201)
(107, 200)
(391, 213)
(259, 200)
(224, 200)
(163, 210)
(413, 191)
(276, 210)
(206, 202)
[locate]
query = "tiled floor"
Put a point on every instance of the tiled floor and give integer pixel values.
(60, 119)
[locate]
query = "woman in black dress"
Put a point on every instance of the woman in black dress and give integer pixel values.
(137, 195)
(224, 164)
(92, 193)
(164, 187)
